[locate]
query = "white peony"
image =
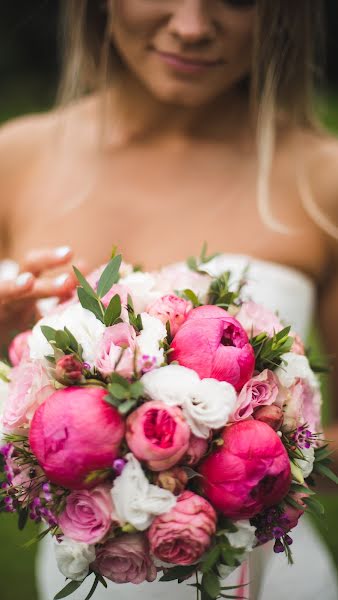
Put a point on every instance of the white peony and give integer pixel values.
(136, 500)
(82, 323)
(306, 464)
(244, 537)
(142, 289)
(148, 342)
(297, 367)
(206, 404)
(73, 558)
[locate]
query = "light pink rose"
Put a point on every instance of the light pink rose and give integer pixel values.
(125, 559)
(170, 308)
(75, 432)
(215, 345)
(19, 349)
(257, 319)
(182, 535)
(158, 434)
(179, 277)
(28, 388)
(196, 450)
(250, 472)
(117, 350)
(260, 390)
(303, 405)
(87, 516)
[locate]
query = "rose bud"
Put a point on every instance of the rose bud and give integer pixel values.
(271, 415)
(69, 369)
(197, 449)
(174, 480)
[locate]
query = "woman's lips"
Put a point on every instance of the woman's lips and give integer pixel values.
(185, 65)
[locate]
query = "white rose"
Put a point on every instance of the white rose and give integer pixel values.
(244, 537)
(73, 558)
(306, 464)
(142, 289)
(297, 367)
(170, 384)
(152, 334)
(82, 323)
(136, 500)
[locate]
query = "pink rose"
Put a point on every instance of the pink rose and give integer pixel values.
(158, 434)
(28, 388)
(182, 535)
(69, 369)
(117, 350)
(303, 405)
(197, 449)
(87, 516)
(125, 559)
(170, 308)
(75, 432)
(250, 472)
(260, 390)
(257, 319)
(215, 345)
(19, 349)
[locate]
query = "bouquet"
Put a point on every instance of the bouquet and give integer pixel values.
(158, 425)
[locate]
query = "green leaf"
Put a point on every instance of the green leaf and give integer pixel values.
(325, 472)
(178, 573)
(316, 507)
(93, 588)
(293, 503)
(102, 580)
(91, 303)
(323, 452)
(211, 584)
(72, 340)
(62, 340)
(48, 332)
(211, 559)
(23, 517)
(113, 311)
(137, 389)
(70, 588)
(112, 401)
(116, 378)
(110, 276)
(126, 406)
(84, 283)
(118, 391)
(190, 295)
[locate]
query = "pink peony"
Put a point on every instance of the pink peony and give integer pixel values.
(197, 449)
(260, 390)
(19, 349)
(215, 345)
(250, 472)
(75, 432)
(125, 559)
(182, 535)
(170, 308)
(28, 389)
(257, 319)
(158, 434)
(117, 350)
(87, 516)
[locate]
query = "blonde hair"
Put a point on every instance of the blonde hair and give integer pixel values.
(283, 78)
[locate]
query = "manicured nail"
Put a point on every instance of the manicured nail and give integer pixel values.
(23, 279)
(62, 251)
(61, 280)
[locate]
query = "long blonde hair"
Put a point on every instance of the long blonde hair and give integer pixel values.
(283, 77)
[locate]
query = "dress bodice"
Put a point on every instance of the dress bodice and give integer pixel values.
(283, 289)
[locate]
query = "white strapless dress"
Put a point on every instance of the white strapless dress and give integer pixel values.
(313, 575)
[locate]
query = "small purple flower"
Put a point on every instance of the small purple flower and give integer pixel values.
(278, 547)
(118, 465)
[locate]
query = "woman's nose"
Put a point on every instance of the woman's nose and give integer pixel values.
(191, 22)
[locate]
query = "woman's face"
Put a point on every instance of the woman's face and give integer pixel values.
(186, 52)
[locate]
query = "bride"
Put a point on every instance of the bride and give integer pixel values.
(181, 121)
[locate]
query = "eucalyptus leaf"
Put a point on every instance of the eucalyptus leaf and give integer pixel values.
(109, 277)
(113, 311)
(72, 340)
(118, 391)
(62, 340)
(48, 332)
(137, 389)
(84, 283)
(91, 303)
(126, 406)
(117, 378)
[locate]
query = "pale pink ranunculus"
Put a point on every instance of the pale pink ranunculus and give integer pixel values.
(116, 351)
(256, 319)
(260, 390)
(302, 405)
(125, 559)
(157, 434)
(28, 389)
(87, 516)
(75, 432)
(196, 450)
(215, 345)
(19, 349)
(250, 472)
(182, 535)
(172, 309)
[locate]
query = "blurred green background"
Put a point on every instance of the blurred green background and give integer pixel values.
(29, 69)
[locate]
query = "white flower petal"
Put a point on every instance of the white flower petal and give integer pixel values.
(171, 384)
(297, 367)
(306, 465)
(209, 406)
(73, 558)
(244, 537)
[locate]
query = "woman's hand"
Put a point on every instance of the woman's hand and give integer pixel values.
(18, 297)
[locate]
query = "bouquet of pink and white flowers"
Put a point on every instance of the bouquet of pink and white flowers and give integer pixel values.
(157, 424)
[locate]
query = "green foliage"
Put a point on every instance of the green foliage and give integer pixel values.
(62, 340)
(269, 350)
(123, 394)
(219, 292)
(194, 263)
(92, 300)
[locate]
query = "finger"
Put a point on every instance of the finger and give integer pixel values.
(60, 287)
(38, 261)
(16, 289)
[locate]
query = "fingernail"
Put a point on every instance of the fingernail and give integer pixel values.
(61, 280)
(62, 251)
(22, 279)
